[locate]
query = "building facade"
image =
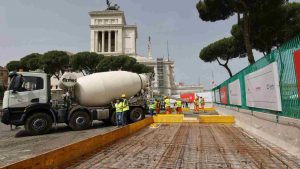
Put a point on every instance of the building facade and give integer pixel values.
(164, 77)
(184, 89)
(3, 76)
(111, 36)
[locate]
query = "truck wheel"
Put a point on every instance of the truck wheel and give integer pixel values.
(136, 114)
(38, 123)
(80, 120)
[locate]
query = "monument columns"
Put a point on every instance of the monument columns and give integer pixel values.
(109, 41)
(96, 41)
(116, 32)
(102, 44)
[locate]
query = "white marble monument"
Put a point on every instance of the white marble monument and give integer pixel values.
(110, 35)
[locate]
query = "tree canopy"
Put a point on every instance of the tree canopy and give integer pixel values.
(126, 63)
(246, 10)
(224, 49)
(31, 61)
(85, 61)
(268, 32)
(54, 62)
(13, 65)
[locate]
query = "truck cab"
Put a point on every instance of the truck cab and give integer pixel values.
(26, 90)
(27, 102)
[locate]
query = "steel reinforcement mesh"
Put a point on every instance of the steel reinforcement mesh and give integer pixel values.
(284, 56)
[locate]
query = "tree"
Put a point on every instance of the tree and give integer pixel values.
(213, 10)
(55, 62)
(126, 63)
(14, 65)
(291, 27)
(224, 49)
(87, 61)
(268, 32)
(31, 61)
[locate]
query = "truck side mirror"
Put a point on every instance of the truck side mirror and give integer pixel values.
(17, 83)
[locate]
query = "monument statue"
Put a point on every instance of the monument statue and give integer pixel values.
(110, 7)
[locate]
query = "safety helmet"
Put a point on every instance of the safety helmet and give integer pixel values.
(123, 95)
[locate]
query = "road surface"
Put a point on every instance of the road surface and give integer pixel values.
(189, 146)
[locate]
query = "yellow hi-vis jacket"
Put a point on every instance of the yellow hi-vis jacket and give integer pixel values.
(153, 105)
(167, 102)
(125, 105)
(119, 107)
(178, 103)
(196, 102)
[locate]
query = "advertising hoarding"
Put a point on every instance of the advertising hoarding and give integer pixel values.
(188, 97)
(297, 69)
(223, 92)
(262, 88)
(217, 95)
(235, 93)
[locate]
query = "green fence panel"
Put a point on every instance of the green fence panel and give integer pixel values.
(284, 56)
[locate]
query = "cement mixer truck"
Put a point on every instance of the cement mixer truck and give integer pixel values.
(28, 100)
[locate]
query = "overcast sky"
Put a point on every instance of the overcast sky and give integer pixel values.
(28, 26)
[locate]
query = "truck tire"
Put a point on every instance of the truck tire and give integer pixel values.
(80, 120)
(38, 123)
(136, 114)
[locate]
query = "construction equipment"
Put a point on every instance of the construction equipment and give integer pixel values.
(27, 100)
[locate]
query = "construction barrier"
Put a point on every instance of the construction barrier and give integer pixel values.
(216, 119)
(168, 118)
(270, 85)
(209, 109)
(64, 156)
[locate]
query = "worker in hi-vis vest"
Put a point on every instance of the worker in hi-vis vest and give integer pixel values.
(125, 108)
(157, 110)
(196, 104)
(179, 106)
(167, 105)
(152, 106)
(119, 112)
(202, 103)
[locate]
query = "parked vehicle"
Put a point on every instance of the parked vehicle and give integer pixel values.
(28, 100)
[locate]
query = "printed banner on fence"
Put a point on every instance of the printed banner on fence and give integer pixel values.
(217, 95)
(188, 97)
(297, 69)
(235, 93)
(262, 88)
(223, 92)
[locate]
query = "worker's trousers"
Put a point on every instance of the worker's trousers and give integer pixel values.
(151, 111)
(119, 118)
(168, 110)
